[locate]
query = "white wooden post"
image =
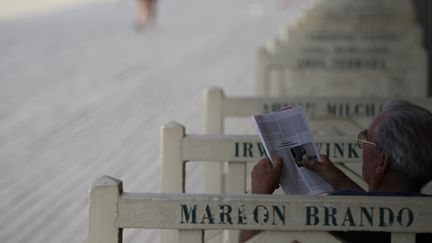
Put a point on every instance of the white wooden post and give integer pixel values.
(261, 71)
(172, 168)
(213, 113)
(236, 178)
(214, 124)
(280, 87)
(215, 179)
(103, 199)
(235, 184)
(172, 164)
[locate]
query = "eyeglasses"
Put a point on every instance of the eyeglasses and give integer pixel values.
(362, 139)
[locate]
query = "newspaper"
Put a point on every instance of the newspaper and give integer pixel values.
(286, 133)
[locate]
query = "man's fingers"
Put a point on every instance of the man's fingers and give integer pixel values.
(264, 162)
(277, 163)
(318, 166)
(285, 108)
(324, 158)
(314, 165)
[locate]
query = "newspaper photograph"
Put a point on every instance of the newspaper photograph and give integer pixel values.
(286, 134)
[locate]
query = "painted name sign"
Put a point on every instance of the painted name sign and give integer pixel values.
(331, 149)
(312, 215)
(365, 216)
(226, 214)
(331, 109)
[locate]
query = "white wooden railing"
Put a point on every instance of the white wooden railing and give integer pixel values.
(352, 113)
(179, 148)
(284, 218)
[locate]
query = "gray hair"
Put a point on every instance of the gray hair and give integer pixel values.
(405, 135)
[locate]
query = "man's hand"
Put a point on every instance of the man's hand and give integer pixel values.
(265, 179)
(265, 176)
(334, 176)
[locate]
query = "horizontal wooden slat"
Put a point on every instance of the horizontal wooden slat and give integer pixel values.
(248, 148)
(314, 107)
(274, 212)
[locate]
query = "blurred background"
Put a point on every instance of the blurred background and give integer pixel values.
(84, 90)
(83, 93)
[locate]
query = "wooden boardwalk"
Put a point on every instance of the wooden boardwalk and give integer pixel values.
(82, 95)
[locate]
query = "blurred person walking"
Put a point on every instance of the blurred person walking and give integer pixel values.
(146, 13)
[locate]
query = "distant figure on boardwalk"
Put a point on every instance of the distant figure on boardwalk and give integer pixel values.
(146, 13)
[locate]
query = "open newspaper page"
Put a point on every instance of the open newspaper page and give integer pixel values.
(287, 134)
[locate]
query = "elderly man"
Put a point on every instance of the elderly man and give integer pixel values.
(397, 161)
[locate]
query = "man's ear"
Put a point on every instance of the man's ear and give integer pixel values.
(383, 164)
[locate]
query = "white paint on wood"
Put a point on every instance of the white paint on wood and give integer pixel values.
(111, 210)
(103, 210)
(214, 124)
(345, 59)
